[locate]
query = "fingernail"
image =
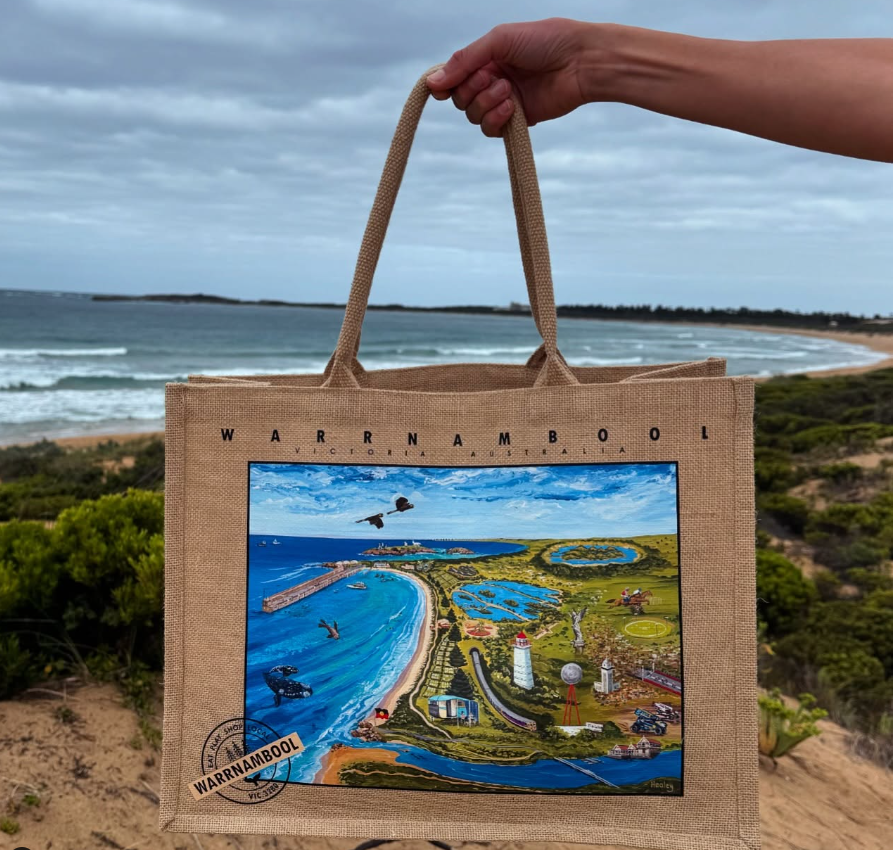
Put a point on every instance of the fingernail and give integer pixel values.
(506, 107)
(501, 87)
(436, 77)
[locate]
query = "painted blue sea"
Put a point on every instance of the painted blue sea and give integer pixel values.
(545, 773)
(379, 628)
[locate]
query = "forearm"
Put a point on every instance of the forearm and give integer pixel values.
(833, 95)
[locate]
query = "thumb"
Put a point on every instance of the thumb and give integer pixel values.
(463, 63)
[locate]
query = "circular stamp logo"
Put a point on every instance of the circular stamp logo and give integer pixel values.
(233, 741)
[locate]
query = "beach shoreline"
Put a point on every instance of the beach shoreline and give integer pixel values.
(880, 343)
(335, 759)
(405, 683)
(414, 669)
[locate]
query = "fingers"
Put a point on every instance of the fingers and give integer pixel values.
(494, 120)
(490, 97)
(463, 63)
(470, 77)
(465, 93)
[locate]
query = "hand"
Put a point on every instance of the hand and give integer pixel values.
(542, 60)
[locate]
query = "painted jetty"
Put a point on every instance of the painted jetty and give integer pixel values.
(307, 588)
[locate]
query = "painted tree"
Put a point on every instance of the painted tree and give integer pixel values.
(461, 685)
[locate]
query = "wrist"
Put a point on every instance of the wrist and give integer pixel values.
(630, 65)
(601, 65)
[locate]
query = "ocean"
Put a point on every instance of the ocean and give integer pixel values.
(379, 629)
(71, 366)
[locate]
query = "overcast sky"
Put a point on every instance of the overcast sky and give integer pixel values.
(234, 147)
(542, 502)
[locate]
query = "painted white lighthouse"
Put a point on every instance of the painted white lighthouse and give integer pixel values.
(523, 675)
(607, 685)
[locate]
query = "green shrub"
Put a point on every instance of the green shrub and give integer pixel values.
(784, 596)
(841, 473)
(827, 584)
(29, 569)
(869, 581)
(18, 666)
(95, 579)
(782, 728)
(788, 511)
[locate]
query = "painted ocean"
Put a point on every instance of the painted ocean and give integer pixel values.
(379, 629)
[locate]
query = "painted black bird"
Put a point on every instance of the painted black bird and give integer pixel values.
(376, 520)
(403, 504)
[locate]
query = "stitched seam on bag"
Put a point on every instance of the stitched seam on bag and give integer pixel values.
(397, 828)
(742, 514)
(180, 541)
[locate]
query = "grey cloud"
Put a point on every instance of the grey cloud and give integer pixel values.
(235, 147)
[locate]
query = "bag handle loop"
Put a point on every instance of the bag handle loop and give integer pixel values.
(343, 369)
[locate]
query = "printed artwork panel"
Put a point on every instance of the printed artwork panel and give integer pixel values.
(499, 629)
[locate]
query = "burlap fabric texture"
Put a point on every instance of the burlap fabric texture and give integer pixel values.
(687, 415)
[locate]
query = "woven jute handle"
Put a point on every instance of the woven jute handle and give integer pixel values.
(344, 369)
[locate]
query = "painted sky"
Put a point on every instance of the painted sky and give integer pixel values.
(464, 503)
(234, 147)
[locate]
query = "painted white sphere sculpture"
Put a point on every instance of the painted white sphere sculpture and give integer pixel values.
(571, 674)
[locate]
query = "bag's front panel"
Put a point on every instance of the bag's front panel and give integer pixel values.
(484, 618)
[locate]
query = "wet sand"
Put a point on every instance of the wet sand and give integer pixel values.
(880, 342)
(411, 673)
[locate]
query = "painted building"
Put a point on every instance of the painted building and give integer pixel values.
(619, 751)
(523, 672)
(607, 685)
(644, 748)
(447, 707)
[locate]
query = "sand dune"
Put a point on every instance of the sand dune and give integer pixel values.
(98, 790)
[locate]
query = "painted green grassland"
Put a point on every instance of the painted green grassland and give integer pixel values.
(366, 774)
(449, 669)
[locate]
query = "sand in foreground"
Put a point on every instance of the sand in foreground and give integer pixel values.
(99, 787)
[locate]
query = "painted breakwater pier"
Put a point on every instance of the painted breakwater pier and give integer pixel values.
(307, 588)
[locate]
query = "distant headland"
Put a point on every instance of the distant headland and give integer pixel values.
(817, 321)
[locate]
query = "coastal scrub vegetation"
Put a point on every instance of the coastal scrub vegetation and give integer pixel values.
(824, 476)
(81, 559)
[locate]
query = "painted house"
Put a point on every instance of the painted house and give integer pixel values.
(619, 751)
(646, 748)
(446, 707)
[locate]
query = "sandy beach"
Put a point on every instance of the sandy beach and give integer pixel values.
(880, 342)
(335, 759)
(411, 673)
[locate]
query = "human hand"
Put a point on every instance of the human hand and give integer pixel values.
(542, 60)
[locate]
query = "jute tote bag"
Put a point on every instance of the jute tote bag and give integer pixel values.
(464, 602)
